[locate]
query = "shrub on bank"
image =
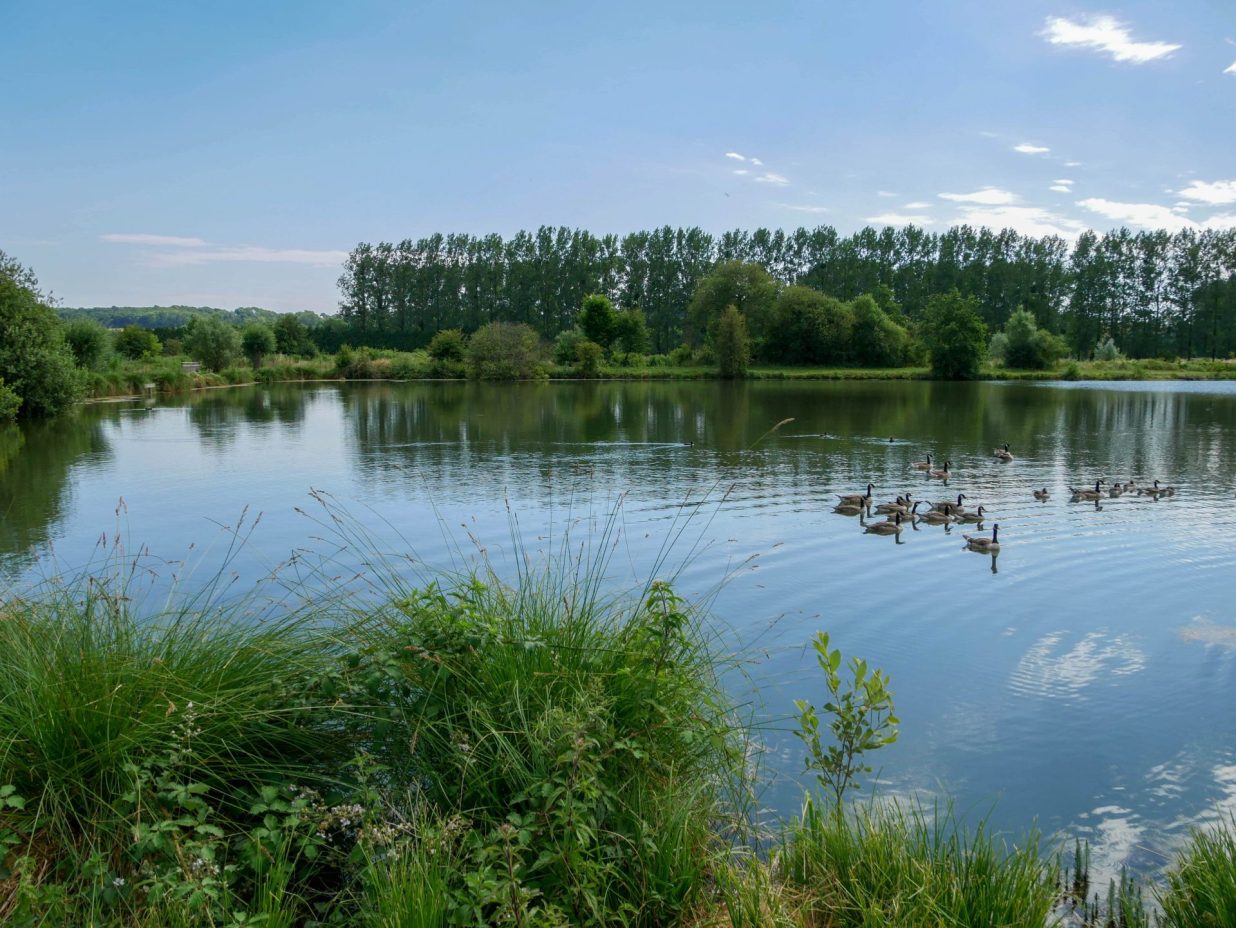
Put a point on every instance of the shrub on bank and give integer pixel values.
(506, 351)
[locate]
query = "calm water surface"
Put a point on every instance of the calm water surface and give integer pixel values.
(1084, 680)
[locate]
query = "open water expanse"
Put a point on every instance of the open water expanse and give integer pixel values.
(1085, 680)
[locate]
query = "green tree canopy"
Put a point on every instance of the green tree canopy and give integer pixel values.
(36, 362)
(632, 334)
(213, 342)
(955, 335)
(746, 286)
(731, 343)
(257, 341)
(134, 342)
(598, 320)
(809, 327)
(878, 341)
(505, 351)
(1027, 346)
(291, 335)
(88, 341)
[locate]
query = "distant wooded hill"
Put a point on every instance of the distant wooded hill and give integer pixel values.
(171, 317)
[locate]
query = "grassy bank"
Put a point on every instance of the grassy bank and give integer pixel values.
(133, 378)
(469, 754)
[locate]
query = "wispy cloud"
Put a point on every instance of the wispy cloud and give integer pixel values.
(1027, 149)
(1062, 180)
(741, 171)
(899, 219)
(1027, 220)
(778, 180)
(1218, 193)
(799, 208)
(1140, 215)
(1104, 34)
(1230, 69)
(735, 155)
(987, 196)
(885, 193)
(1061, 188)
(918, 204)
(187, 251)
(1072, 164)
(144, 238)
(249, 254)
(757, 162)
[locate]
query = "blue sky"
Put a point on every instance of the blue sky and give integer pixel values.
(230, 153)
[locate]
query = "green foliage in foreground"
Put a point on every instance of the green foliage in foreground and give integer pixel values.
(530, 756)
(1201, 887)
(887, 866)
(469, 755)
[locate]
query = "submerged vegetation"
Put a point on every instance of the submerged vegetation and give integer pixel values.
(466, 753)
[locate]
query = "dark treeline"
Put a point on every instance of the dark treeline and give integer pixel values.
(1154, 293)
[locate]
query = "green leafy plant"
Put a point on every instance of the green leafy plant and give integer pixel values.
(862, 720)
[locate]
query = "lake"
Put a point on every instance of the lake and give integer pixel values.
(1083, 680)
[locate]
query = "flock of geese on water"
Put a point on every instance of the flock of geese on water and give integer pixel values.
(904, 509)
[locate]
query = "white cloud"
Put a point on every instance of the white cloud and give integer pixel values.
(804, 209)
(1104, 34)
(1072, 164)
(918, 204)
(988, 196)
(757, 162)
(741, 171)
(779, 180)
(885, 193)
(1141, 215)
(899, 219)
(247, 254)
(1027, 220)
(1219, 193)
(143, 238)
(191, 251)
(1230, 69)
(1062, 180)
(1155, 216)
(1061, 188)
(735, 155)
(1027, 149)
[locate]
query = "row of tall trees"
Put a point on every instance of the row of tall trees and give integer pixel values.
(1153, 292)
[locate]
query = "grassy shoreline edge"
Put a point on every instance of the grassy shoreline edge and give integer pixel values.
(130, 382)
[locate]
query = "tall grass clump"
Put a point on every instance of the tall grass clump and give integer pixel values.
(125, 741)
(586, 742)
(1201, 887)
(882, 864)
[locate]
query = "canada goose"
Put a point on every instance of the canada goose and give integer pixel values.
(955, 507)
(976, 516)
(1156, 491)
(1003, 453)
(982, 542)
(942, 473)
(922, 465)
(897, 506)
(1042, 494)
(1118, 489)
(864, 498)
(885, 528)
(849, 509)
(903, 505)
(938, 516)
(1087, 494)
